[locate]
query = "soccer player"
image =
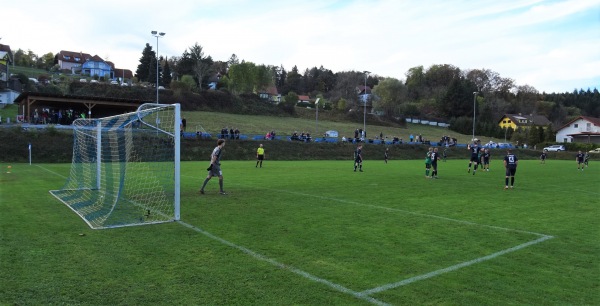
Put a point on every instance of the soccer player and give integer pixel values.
(386, 155)
(579, 158)
(510, 163)
(486, 160)
(586, 159)
(474, 149)
(428, 162)
(543, 157)
(358, 158)
(260, 155)
(435, 156)
(215, 167)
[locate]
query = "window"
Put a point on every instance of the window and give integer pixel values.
(575, 125)
(77, 58)
(67, 57)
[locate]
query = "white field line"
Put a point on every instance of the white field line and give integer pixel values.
(57, 174)
(542, 237)
(364, 295)
(452, 268)
(275, 263)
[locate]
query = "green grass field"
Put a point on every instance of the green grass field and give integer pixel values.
(316, 233)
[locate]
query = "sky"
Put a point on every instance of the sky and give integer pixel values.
(553, 46)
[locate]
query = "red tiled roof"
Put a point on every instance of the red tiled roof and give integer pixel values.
(594, 121)
(72, 55)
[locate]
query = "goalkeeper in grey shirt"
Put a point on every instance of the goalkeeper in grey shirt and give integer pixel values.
(215, 167)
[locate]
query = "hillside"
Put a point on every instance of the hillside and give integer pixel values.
(213, 122)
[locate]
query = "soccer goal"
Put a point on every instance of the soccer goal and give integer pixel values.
(125, 168)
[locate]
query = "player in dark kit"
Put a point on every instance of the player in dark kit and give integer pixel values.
(486, 160)
(510, 163)
(435, 156)
(579, 158)
(358, 158)
(386, 155)
(543, 157)
(474, 149)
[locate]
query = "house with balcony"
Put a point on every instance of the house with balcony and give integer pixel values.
(271, 94)
(6, 58)
(72, 61)
(9, 88)
(516, 121)
(582, 129)
(96, 66)
(365, 97)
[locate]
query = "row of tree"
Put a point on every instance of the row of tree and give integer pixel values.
(440, 92)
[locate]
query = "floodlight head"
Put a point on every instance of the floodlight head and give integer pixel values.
(153, 32)
(162, 33)
(367, 72)
(475, 92)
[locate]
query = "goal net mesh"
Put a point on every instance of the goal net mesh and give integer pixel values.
(125, 168)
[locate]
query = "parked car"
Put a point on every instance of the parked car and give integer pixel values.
(505, 145)
(555, 148)
(94, 81)
(114, 83)
(490, 145)
(596, 150)
(83, 80)
(331, 133)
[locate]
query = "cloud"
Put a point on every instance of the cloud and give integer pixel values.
(550, 45)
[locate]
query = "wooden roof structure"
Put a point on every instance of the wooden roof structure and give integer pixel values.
(93, 107)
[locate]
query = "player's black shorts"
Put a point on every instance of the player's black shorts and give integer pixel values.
(511, 171)
(475, 158)
(260, 157)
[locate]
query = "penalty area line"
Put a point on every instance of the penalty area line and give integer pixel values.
(337, 287)
(453, 268)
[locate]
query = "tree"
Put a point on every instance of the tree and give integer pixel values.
(415, 83)
(293, 82)
(166, 74)
(391, 93)
(241, 77)
(458, 100)
(46, 61)
(146, 65)
(289, 102)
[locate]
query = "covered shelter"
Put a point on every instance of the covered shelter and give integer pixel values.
(32, 105)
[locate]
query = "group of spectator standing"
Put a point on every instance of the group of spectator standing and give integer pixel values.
(229, 133)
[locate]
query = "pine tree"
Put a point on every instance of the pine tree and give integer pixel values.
(143, 71)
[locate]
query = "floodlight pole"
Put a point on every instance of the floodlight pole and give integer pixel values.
(474, 101)
(317, 118)
(365, 105)
(157, 35)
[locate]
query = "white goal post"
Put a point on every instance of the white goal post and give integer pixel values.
(126, 168)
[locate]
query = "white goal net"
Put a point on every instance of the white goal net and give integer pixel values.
(125, 168)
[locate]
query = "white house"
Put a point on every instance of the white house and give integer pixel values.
(581, 129)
